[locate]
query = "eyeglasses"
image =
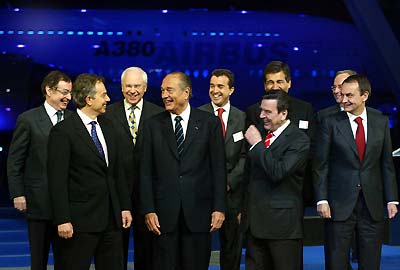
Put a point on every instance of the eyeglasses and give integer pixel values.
(334, 87)
(64, 92)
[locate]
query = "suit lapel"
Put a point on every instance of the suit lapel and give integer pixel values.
(371, 128)
(168, 133)
(232, 124)
(107, 133)
(192, 129)
(43, 121)
(84, 134)
(345, 128)
(121, 117)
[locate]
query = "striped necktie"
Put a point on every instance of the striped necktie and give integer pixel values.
(179, 134)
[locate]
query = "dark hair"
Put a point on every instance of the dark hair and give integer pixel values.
(275, 67)
(363, 83)
(52, 79)
(185, 81)
(84, 86)
(227, 73)
(282, 98)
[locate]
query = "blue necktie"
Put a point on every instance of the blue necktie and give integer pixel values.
(96, 140)
(179, 134)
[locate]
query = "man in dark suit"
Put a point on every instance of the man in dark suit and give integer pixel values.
(26, 164)
(182, 178)
(340, 76)
(128, 116)
(233, 124)
(276, 75)
(86, 191)
(354, 177)
(273, 208)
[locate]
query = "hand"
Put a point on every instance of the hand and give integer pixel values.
(217, 218)
(151, 221)
(392, 210)
(126, 218)
(239, 218)
(20, 203)
(252, 135)
(65, 230)
(228, 188)
(324, 210)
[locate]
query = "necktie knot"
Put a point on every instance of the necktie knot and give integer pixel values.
(59, 116)
(220, 112)
(178, 118)
(358, 120)
(267, 141)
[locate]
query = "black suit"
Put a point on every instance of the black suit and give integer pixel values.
(142, 237)
(183, 191)
(356, 192)
(235, 152)
(87, 193)
(27, 176)
(273, 210)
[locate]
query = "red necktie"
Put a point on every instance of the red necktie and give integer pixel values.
(220, 112)
(267, 141)
(360, 138)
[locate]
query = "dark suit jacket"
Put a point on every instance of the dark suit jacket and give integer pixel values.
(235, 153)
(337, 169)
(274, 204)
(26, 164)
(116, 113)
(195, 182)
(83, 189)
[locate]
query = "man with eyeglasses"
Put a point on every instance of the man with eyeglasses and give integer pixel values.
(128, 116)
(340, 76)
(26, 164)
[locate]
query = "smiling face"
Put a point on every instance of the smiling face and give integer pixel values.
(175, 97)
(353, 101)
(133, 86)
(270, 116)
(59, 96)
(98, 102)
(219, 90)
(276, 81)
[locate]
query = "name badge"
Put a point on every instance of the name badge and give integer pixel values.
(303, 124)
(238, 136)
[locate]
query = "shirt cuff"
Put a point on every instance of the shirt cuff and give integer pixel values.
(393, 202)
(322, 202)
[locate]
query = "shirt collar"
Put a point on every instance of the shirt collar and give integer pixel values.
(363, 115)
(49, 109)
(185, 114)
(280, 129)
(85, 119)
(226, 107)
(128, 106)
